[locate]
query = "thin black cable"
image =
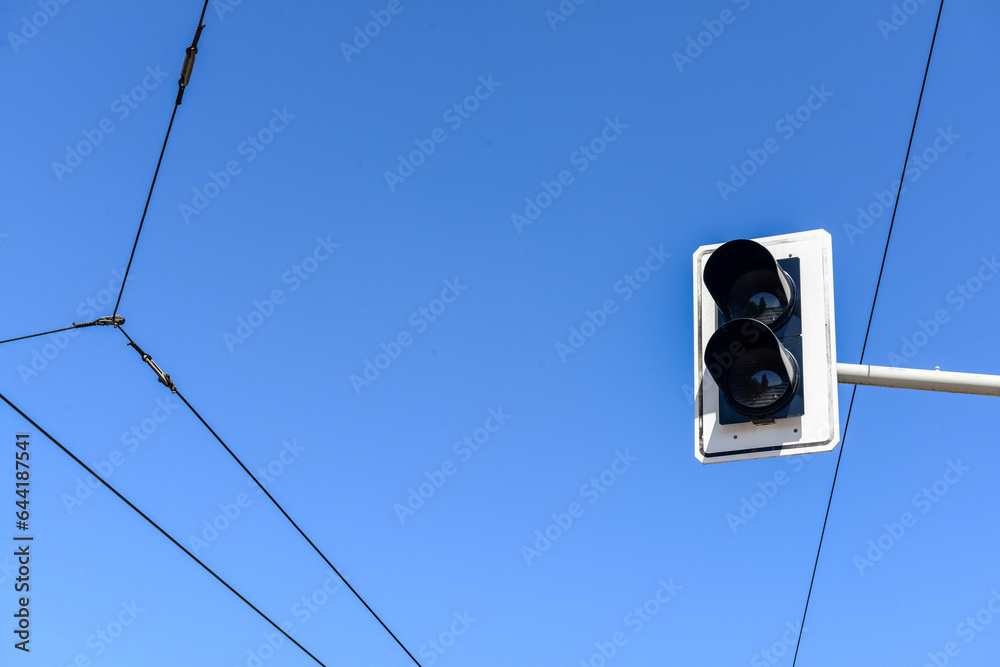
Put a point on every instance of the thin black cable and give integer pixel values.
(864, 345)
(287, 516)
(201, 19)
(101, 321)
(145, 208)
(155, 174)
(300, 531)
(156, 525)
(44, 333)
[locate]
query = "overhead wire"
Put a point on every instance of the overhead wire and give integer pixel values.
(101, 321)
(44, 333)
(871, 316)
(165, 379)
(182, 85)
(116, 320)
(155, 525)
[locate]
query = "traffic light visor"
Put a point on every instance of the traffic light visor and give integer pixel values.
(754, 371)
(746, 281)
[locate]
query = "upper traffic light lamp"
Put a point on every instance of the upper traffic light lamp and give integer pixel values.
(765, 358)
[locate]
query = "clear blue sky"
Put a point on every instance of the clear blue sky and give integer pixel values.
(279, 259)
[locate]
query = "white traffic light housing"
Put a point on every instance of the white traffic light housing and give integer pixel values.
(765, 352)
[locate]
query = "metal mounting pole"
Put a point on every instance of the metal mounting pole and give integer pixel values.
(911, 378)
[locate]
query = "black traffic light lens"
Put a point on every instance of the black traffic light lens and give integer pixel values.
(759, 381)
(753, 295)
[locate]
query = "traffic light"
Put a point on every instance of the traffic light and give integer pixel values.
(765, 352)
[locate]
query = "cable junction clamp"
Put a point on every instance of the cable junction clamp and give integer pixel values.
(110, 321)
(164, 377)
